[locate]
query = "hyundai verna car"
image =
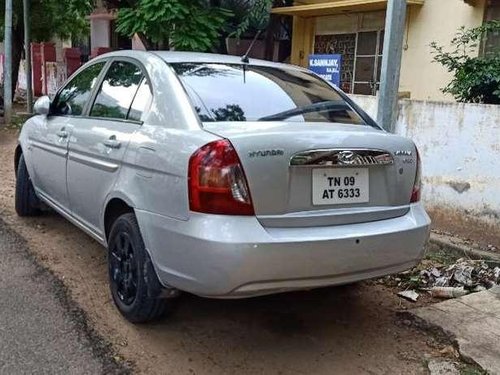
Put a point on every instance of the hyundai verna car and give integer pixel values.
(222, 178)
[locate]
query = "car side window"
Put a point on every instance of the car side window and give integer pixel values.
(72, 99)
(141, 101)
(117, 91)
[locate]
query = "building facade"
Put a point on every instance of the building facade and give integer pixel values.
(355, 30)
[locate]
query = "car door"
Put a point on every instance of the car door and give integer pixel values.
(50, 140)
(98, 144)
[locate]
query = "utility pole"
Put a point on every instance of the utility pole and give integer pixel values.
(391, 64)
(7, 74)
(27, 55)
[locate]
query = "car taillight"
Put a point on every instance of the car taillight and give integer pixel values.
(217, 183)
(417, 186)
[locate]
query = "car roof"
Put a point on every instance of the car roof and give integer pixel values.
(196, 57)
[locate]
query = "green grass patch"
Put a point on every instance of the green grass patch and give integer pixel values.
(467, 369)
(17, 121)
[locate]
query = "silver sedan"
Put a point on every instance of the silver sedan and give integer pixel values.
(220, 177)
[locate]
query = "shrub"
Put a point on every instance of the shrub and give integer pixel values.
(476, 79)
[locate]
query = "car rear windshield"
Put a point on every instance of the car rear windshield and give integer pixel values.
(242, 92)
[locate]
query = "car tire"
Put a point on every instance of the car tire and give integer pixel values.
(134, 285)
(26, 201)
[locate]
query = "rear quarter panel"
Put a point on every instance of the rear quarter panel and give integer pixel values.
(153, 176)
(155, 168)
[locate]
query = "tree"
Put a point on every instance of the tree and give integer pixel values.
(249, 16)
(49, 18)
(193, 25)
(189, 25)
(476, 79)
(252, 16)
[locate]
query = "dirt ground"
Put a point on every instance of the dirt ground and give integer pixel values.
(351, 329)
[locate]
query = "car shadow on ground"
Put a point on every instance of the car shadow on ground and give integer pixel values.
(340, 317)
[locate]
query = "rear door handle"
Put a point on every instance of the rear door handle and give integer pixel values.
(112, 143)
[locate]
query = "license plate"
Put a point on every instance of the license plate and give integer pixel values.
(340, 186)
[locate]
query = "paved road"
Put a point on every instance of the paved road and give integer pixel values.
(40, 332)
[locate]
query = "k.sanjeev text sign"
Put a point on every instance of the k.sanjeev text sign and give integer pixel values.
(326, 66)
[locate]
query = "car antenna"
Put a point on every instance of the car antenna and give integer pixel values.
(244, 58)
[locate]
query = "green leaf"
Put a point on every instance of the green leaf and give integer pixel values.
(476, 79)
(185, 24)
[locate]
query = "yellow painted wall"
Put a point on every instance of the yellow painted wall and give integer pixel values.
(437, 20)
(302, 40)
(350, 23)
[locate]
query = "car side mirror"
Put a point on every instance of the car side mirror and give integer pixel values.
(42, 105)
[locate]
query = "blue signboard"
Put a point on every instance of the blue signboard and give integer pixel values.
(326, 66)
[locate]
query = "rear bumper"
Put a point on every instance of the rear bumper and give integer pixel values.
(230, 257)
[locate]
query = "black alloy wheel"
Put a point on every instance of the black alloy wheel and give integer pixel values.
(135, 287)
(123, 268)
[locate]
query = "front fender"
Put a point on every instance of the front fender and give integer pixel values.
(24, 147)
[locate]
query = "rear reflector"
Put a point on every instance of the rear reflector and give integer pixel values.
(216, 181)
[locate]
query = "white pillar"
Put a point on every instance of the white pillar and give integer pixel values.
(100, 29)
